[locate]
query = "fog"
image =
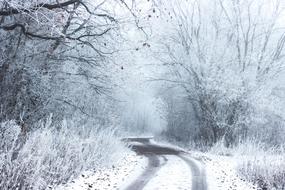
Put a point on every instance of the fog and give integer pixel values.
(76, 74)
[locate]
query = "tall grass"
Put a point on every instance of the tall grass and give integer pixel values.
(249, 146)
(257, 162)
(53, 155)
(268, 172)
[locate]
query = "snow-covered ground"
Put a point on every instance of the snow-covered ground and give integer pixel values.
(175, 174)
(221, 172)
(115, 177)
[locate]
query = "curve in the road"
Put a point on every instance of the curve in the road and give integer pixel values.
(153, 152)
(143, 179)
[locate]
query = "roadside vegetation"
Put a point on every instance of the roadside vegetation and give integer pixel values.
(257, 162)
(224, 64)
(75, 75)
(266, 171)
(53, 155)
(58, 113)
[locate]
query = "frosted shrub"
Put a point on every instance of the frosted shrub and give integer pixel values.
(259, 163)
(268, 172)
(249, 146)
(52, 156)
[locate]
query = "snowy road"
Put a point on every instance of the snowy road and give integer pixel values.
(160, 167)
(188, 174)
(198, 174)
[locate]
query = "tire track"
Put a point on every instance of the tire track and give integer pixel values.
(153, 166)
(153, 153)
(198, 174)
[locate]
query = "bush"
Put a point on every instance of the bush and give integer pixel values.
(53, 155)
(258, 162)
(268, 172)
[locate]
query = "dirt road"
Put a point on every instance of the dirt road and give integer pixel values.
(153, 152)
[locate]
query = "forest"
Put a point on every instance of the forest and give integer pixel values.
(77, 76)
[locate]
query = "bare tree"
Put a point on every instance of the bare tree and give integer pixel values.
(49, 49)
(222, 53)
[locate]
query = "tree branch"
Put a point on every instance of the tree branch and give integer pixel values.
(23, 29)
(13, 11)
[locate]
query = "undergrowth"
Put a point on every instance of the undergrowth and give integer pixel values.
(50, 155)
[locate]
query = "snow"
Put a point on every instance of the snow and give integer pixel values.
(140, 137)
(175, 174)
(221, 172)
(135, 144)
(167, 144)
(109, 178)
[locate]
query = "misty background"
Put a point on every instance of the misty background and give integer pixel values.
(77, 76)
